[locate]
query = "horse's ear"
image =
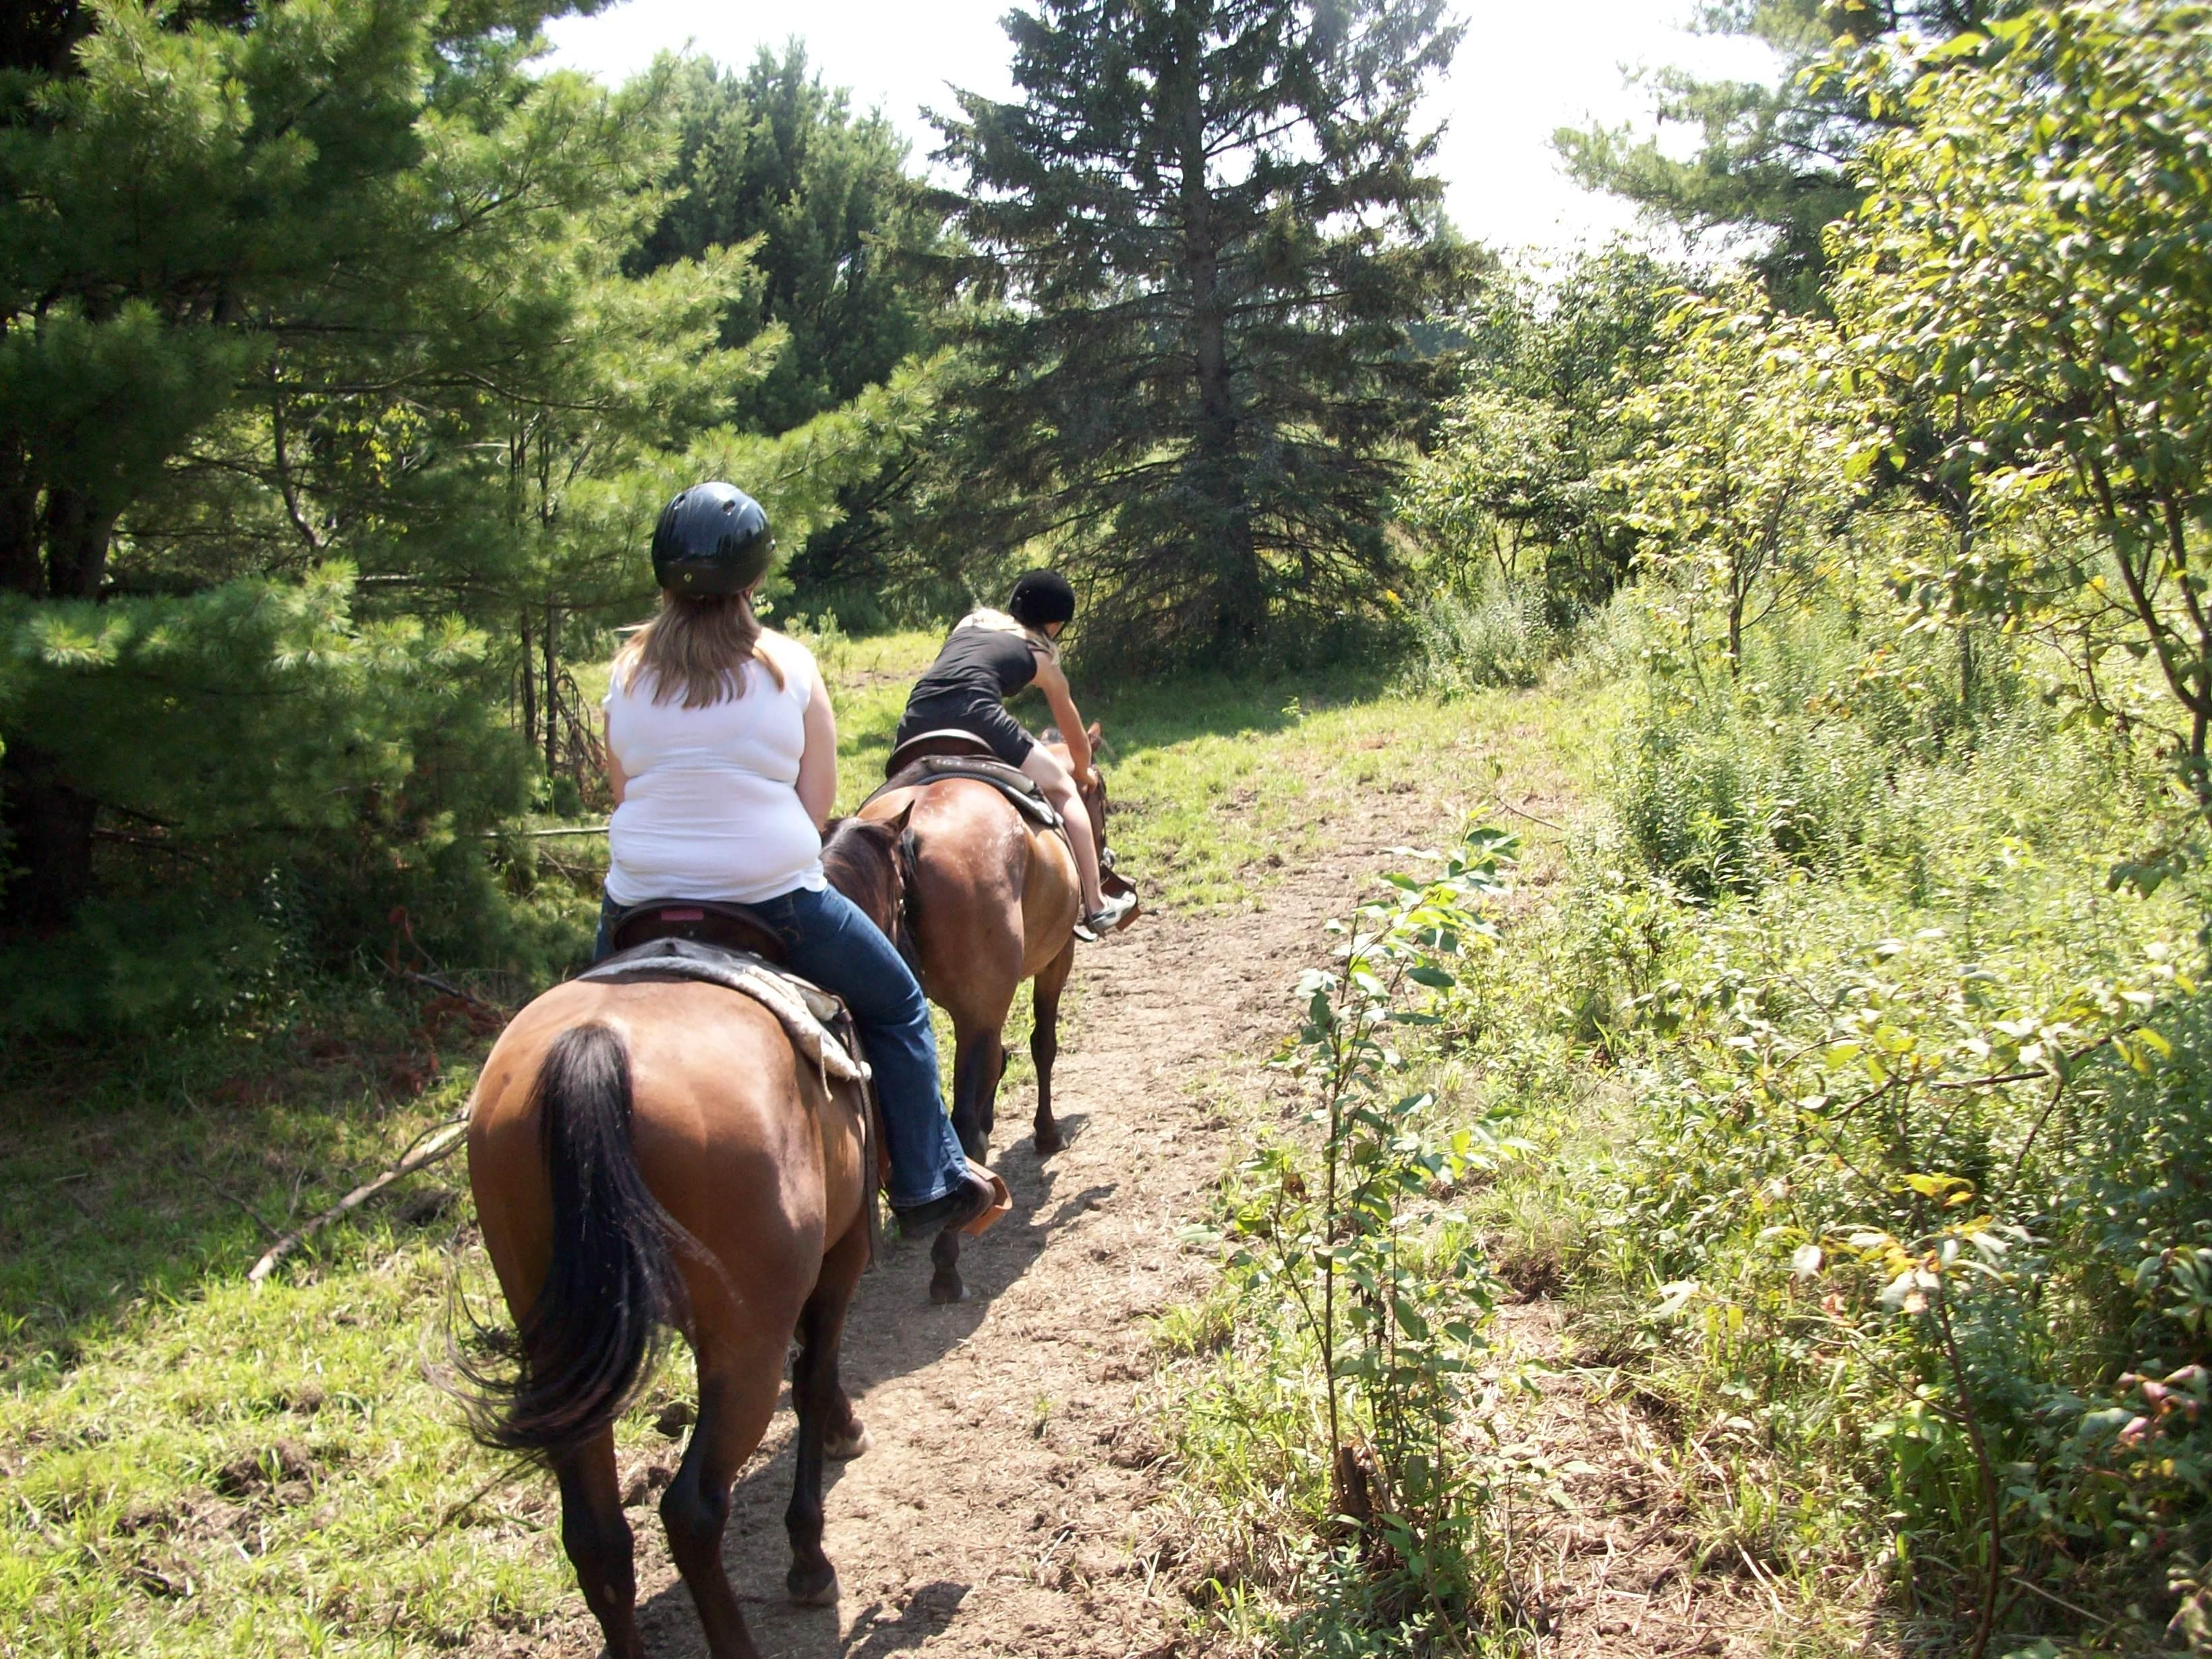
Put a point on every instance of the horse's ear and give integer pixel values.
(897, 823)
(1097, 733)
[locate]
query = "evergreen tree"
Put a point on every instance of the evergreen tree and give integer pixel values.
(776, 154)
(1202, 235)
(774, 160)
(1777, 161)
(329, 427)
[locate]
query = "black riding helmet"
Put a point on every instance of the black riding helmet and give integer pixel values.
(1041, 597)
(712, 539)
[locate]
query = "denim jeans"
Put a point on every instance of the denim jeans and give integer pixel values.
(829, 940)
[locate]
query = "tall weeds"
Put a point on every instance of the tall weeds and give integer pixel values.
(1335, 1422)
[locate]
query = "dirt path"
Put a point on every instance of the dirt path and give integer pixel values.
(998, 1512)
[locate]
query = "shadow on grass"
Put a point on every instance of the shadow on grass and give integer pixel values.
(134, 1178)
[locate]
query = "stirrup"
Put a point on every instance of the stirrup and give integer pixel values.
(1107, 917)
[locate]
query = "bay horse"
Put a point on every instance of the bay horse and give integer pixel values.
(650, 1155)
(991, 900)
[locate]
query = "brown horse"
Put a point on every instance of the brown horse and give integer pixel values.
(655, 1156)
(991, 900)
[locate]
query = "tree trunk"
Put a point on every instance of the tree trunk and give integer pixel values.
(76, 544)
(48, 857)
(1220, 482)
(21, 569)
(552, 690)
(45, 870)
(529, 686)
(1739, 593)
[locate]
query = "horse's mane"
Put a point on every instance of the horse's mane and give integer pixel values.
(860, 859)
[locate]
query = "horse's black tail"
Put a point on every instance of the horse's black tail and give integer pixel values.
(611, 1290)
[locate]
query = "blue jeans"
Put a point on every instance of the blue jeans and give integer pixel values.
(829, 939)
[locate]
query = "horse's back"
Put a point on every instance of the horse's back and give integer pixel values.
(992, 887)
(730, 1133)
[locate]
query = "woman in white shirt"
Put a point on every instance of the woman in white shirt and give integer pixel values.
(722, 753)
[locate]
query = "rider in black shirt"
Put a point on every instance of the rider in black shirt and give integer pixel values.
(990, 656)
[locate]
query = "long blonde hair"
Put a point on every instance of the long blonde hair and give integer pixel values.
(700, 644)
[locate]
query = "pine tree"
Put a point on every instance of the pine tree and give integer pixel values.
(778, 154)
(842, 236)
(331, 428)
(1777, 161)
(1202, 235)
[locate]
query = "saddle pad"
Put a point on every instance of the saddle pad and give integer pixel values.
(801, 1007)
(1016, 785)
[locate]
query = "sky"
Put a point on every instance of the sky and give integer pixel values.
(1523, 71)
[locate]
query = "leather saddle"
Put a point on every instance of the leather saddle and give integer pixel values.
(704, 921)
(928, 756)
(718, 942)
(947, 740)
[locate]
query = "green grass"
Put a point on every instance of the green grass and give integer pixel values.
(191, 1468)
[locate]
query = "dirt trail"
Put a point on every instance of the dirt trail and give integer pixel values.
(1002, 1509)
(998, 1509)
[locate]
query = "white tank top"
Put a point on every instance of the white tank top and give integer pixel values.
(710, 809)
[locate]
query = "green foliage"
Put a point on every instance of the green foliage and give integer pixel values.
(2033, 258)
(775, 155)
(283, 775)
(342, 289)
(1516, 479)
(842, 237)
(1372, 1292)
(1200, 241)
(1465, 641)
(1735, 470)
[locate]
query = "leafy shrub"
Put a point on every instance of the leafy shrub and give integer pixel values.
(1330, 1419)
(1466, 641)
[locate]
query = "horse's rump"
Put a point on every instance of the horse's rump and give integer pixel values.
(720, 1128)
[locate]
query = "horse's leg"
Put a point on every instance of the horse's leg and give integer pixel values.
(946, 1284)
(1044, 1045)
(739, 1377)
(598, 1541)
(823, 1409)
(979, 1057)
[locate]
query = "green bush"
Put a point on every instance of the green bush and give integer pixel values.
(1464, 640)
(1885, 1123)
(300, 789)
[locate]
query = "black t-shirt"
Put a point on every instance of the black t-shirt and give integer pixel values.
(986, 661)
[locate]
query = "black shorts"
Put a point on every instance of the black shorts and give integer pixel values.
(981, 716)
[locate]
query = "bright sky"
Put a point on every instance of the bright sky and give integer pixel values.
(1523, 71)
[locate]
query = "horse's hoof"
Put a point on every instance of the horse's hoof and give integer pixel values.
(1049, 1141)
(947, 1289)
(818, 1589)
(843, 1448)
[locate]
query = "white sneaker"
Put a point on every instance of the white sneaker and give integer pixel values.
(1107, 917)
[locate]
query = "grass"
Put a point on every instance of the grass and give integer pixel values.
(191, 1468)
(1673, 1060)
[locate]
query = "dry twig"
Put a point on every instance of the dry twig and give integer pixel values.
(433, 1144)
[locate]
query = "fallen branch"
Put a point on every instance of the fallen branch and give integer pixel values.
(432, 1145)
(1498, 798)
(446, 987)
